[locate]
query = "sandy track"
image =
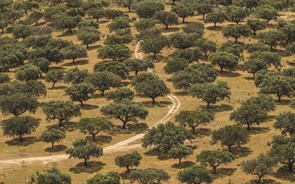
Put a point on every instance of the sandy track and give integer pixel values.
(120, 146)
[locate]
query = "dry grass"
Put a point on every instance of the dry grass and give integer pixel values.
(242, 88)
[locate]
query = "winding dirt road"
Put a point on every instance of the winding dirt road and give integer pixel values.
(120, 146)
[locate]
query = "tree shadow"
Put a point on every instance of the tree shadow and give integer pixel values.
(229, 74)
(184, 164)
(131, 128)
(223, 172)
(89, 107)
(66, 126)
(57, 88)
(80, 62)
(170, 30)
(67, 33)
(213, 28)
(149, 104)
(284, 174)
(152, 152)
(101, 139)
(283, 102)
(241, 151)
(93, 47)
(202, 132)
(259, 130)
(56, 148)
(263, 181)
(220, 108)
(181, 93)
(125, 83)
(292, 63)
(26, 141)
(92, 167)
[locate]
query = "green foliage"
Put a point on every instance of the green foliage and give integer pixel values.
(96, 13)
(21, 31)
(270, 58)
(215, 158)
(180, 152)
(283, 150)
(189, 54)
(75, 75)
(183, 10)
(109, 178)
(63, 21)
(211, 93)
(120, 95)
(166, 18)
(28, 72)
(41, 63)
(194, 118)
(236, 31)
(115, 52)
(206, 46)
(74, 52)
(194, 27)
(236, 13)
(147, 9)
(175, 64)
(266, 12)
(125, 112)
(128, 160)
(215, 17)
(84, 150)
(165, 137)
(286, 123)
(88, 35)
(52, 136)
(4, 78)
(111, 13)
(182, 40)
(118, 68)
(54, 76)
(224, 60)
(272, 38)
(138, 65)
(203, 9)
(256, 25)
(151, 88)
(261, 166)
(20, 126)
(53, 176)
(18, 103)
(144, 24)
(150, 175)
(154, 44)
(119, 23)
(80, 92)
(104, 81)
(195, 174)
(94, 125)
(63, 111)
(230, 136)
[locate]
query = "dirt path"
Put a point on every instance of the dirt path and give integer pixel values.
(120, 146)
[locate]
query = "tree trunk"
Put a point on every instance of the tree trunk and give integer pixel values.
(52, 145)
(179, 161)
(279, 97)
(87, 45)
(221, 69)
(82, 104)
(194, 130)
(124, 125)
(93, 137)
(248, 126)
(155, 55)
(53, 85)
(290, 167)
(73, 60)
(136, 72)
(102, 92)
(214, 169)
(229, 148)
(85, 162)
(129, 9)
(21, 137)
(208, 105)
(215, 24)
(183, 19)
(128, 170)
(97, 19)
(236, 40)
(60, 123)
(154, 100)
(203, 17)
(259, 179)
(167, 26)
(254, 32)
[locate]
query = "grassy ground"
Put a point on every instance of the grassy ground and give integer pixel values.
(242, 88)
